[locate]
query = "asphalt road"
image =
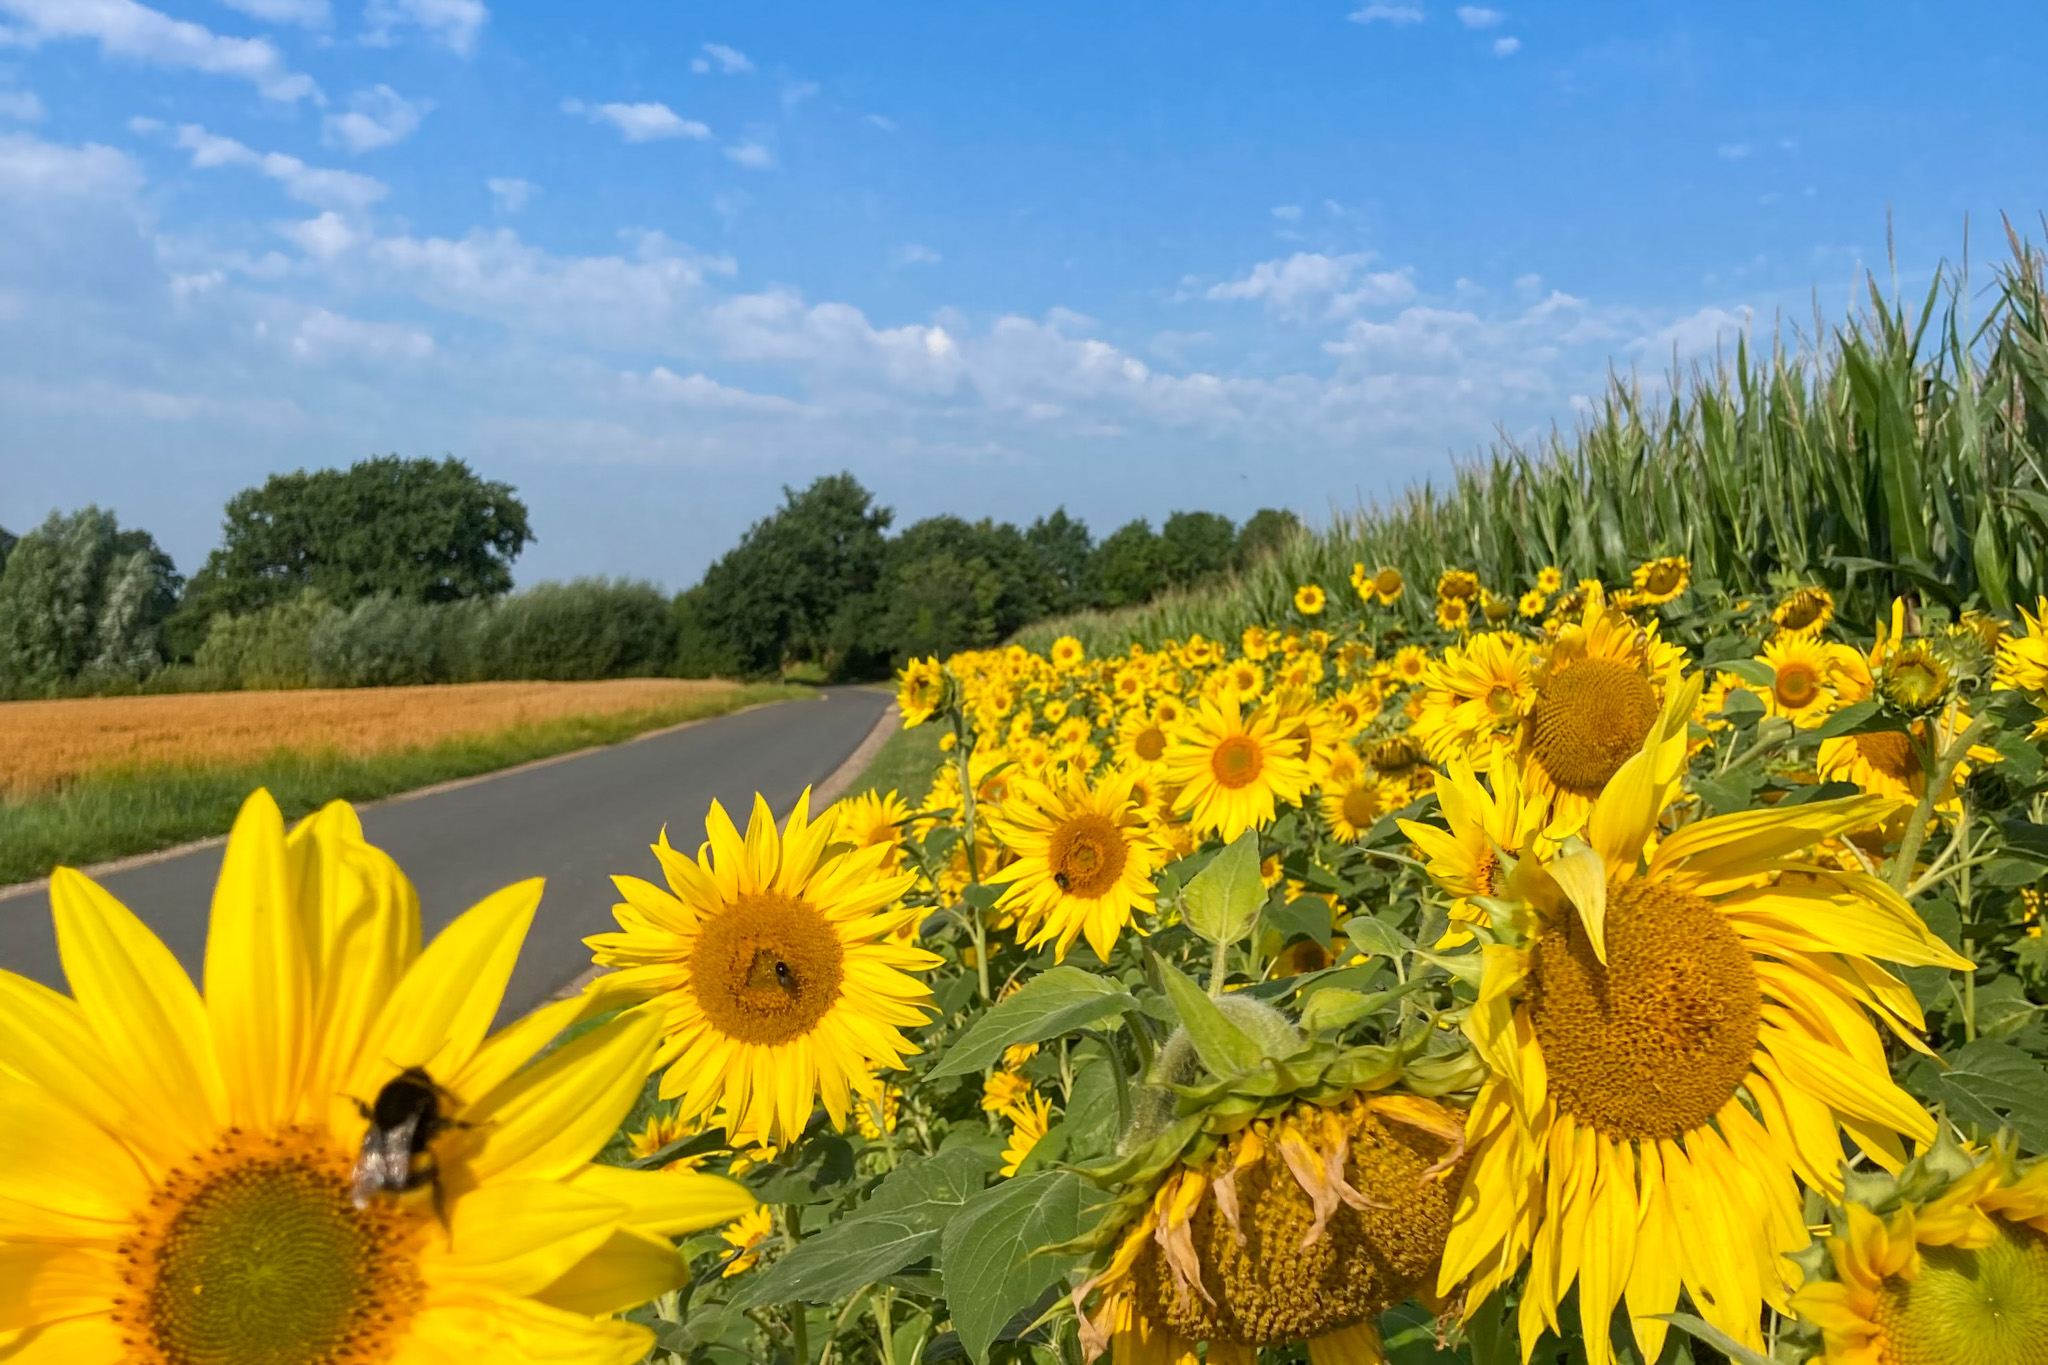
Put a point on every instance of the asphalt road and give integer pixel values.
(574, 822)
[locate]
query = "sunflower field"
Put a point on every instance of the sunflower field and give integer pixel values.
(1596, 972)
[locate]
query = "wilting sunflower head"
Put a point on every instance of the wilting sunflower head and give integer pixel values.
(1396, 756)
(774, 963)
(1387, 585)
(1933, 1271)
(920, 690)
(1304, 1225)
(1457, 584)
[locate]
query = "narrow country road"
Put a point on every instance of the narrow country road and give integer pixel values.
(574, 822)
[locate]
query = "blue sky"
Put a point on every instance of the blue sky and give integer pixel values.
(650, 262)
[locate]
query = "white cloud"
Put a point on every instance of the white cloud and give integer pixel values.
(33, 171)
(1378, 13)
(648, 122)
(796, 92)
(1311, 287)
(729, 60)
(1287, 213)
(322, 336)
(913, 254)
(377, 117)
(1732, 151)
(882, 121)
(698, 390)
(307, 13)
(452, 23)
(21, 104)
(1506, 47)
(1478, 16)
(134, 32)
(324, 238)
(315, 185)
(754, 153)
(510, 193)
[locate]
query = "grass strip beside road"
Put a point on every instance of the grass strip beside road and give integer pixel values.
(905, 765)
(119, 812)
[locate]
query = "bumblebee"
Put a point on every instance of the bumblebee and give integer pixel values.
(397, 1156)
(1060, 880)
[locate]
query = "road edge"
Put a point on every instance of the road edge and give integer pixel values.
(14, 890)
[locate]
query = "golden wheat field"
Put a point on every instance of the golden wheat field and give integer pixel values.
(44, 744)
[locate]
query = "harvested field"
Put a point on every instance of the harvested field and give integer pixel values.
(46, 745)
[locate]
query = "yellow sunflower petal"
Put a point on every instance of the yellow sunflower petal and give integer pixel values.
(258, 980)
(518, 1236)
(143, 1009)
(556, 1114)
(70, 1342)
(671, 1203)
(630, 1268)
(507, 1329)
(52, 1156)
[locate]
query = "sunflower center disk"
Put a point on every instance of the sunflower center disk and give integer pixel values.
(1088, 855)
(1891, 753)
(767, 969)
(1361, 806)
(261, 1258)
(1651, 1045)
(1589, 720)
(1271, 1289)
(1150, 744)
(1984, 1307)
(1796, 686)
(1236, 762)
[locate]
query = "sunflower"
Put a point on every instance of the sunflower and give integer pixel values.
(2023, 662)
(1888, 762)
(1674, 1045)
(161, 1148)
(1353, 802)
(1959, 1276)
(745, 1235)
(1385, 584)
(1232, 770)
(1803, 678)
(1454, 613)
(771, 961)
(1475, 696)
(1495, 609)
(1004, 1091)
(1549, 580)
(1304, 1225)
(1661, 580)
(920, 689)
(1067, 654)
(1354, 708)
(1599, 684)
(1457, 585)
(1238, 682)
(1532, 604)
(1084, 861)
(1029, 1123)
(1141, 739)
(1483, 826)
(874, 819)
(1309, 599)
(1804, 611)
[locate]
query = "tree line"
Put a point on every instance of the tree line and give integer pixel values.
(400, 571)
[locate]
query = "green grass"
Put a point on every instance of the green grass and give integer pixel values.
(114, 814)
(1904, 451)
(906, 764)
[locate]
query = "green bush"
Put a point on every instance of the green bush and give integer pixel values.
(81, 600)
(271, 648)
(589, 628)
(382, 641)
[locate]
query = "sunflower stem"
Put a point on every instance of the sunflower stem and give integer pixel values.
(1923, 814)
(1219, 969)
(963, 748)
(799, 1324)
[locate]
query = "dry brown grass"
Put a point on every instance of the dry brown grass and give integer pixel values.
(45, 744)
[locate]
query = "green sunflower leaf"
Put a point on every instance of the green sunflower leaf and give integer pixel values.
(1222, 901)
(991, 1257)
(1060, 1001)
(1223, 1047)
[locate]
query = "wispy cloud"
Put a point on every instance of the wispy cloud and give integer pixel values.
(1506, 47)
(913, 254)
(1733, 151)
(1312, 287)
(796, 92)
(882, 121)
(306, 13)
(135, 32)
(1287, 213)
(1378, 13)
(377, 117)
(755, 153)
(24, 105)
(454, 24)
(510, 193)
(730, 61)
(648, 122)
(1478, 16)
(316, 185)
